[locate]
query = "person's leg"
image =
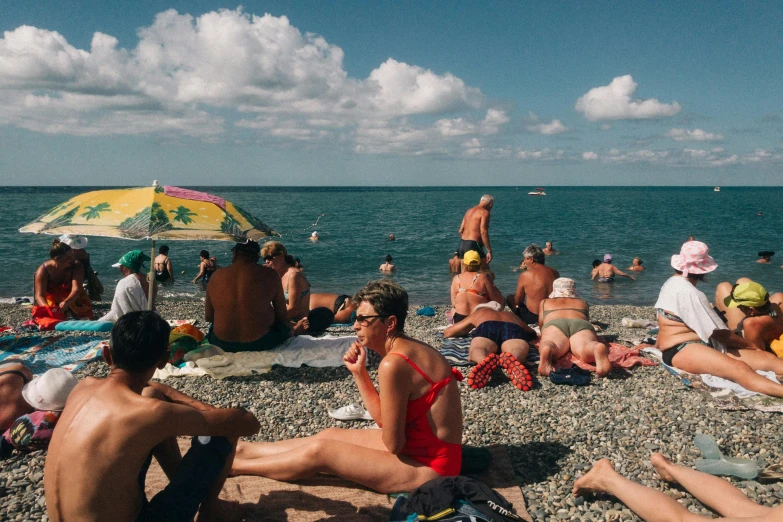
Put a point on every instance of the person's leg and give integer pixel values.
(516, 347)
(554, 344)
(649, 504)
(209, 509)
(367, 438)
(167, 452)
(713, 492)
(484, 352)
(733, 315)
(699, 358)
(375, 469)
(480, 347)
(759, 360)
(586, 346)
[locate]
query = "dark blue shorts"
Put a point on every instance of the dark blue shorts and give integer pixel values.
(500, 331)
(196, 474)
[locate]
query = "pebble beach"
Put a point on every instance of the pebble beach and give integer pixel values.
(554, 433)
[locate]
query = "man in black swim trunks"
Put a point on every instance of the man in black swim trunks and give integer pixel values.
(533, 286)
(500, 339)
(474, 231)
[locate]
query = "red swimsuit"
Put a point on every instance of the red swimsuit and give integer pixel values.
(421, 444)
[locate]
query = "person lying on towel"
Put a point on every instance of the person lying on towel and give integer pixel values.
(565, 326)
(418, 410)
(499, 339)
(110, 429)
(21, 394)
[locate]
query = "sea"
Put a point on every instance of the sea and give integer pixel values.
(354, 223)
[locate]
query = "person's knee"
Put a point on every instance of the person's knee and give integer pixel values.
(316, 453)
(744, 280)
(600, 349)
(328, 434)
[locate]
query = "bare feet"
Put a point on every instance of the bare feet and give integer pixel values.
(301, 326)
(602, 364)
(662, 466)
(545, 363)
(595, 480)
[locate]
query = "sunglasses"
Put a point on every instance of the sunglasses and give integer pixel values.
(272, 256)
(364, 320)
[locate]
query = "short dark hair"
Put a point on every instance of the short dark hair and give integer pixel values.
(388, 258)
(204, 254)
(58, 249)
(596, 262)
(138, 341)
(388, 299)
(164, 249)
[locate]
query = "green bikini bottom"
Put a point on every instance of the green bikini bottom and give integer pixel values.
(568, 326)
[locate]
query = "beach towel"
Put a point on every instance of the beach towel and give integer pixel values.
(57, 351)
(455, 350)
(620, 356)
(326, 497)
(302, 350)
(727, 395)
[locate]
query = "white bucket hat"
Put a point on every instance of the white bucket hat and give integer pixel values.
(49, 391)
(694, 258)
(74, 241)
(563, 287)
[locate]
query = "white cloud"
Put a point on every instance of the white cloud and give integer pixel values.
(553, 127)
(614, 102)
(185, 70)
(693, 135)
(540, 154)
(731, 160)
(589, 155)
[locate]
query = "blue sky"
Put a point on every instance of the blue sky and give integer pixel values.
(392, 93)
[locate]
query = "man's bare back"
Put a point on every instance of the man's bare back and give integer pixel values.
(472, 224)
(243, 301)
(475, 229)
(535, 285)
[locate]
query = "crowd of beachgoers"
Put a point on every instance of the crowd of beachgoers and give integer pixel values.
(423, 417)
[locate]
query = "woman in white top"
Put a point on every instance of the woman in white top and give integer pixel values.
(692, 336)
(132, 290)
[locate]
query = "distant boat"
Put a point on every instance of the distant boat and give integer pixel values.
(716, 189)
(537, 192)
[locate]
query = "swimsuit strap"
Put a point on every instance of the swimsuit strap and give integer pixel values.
(16, 372)
(585, 312)
(413, 365)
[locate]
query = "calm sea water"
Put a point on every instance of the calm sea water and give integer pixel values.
(584, 223)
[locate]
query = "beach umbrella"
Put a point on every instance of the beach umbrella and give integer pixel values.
(156, 212)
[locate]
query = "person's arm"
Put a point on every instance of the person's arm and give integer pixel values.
(209, 310)
(594, 273)
(619, 272)
(355, 359)
(754, 333)
(116, 309)
(730, 340)
(178, 419)
(454, 289)
(485, 235)
(493, 292)
(462, 227)
(77, 282)
(394, 380)
(519, 295)
(170, 268)
(201, 272)
(278, 300)
(296, 285)
(460, 329)
(41, 282)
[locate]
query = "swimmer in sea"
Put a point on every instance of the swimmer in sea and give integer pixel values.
(314, 237)
(636, 266)
(765, 256)
(605, 272)
(387, 266)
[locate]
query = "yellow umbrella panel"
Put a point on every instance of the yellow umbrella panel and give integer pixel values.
(151, 212)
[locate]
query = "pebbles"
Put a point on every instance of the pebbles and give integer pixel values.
(554, 433)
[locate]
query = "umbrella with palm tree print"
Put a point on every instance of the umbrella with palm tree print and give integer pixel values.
(156, 212)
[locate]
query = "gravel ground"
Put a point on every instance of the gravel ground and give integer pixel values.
(554, 432)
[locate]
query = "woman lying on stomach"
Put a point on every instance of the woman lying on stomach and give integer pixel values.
(692, 336)
(418, 410)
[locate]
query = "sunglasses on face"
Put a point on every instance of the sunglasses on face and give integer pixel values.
(272, 256)
(364, 320)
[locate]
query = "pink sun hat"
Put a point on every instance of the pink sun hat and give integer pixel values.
(694, 258)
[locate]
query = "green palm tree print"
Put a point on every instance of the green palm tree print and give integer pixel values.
(182, 214)
(95, 212)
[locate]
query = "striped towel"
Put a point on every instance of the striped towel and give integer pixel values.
(455, 350)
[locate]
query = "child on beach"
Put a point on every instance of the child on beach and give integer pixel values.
(111, 428)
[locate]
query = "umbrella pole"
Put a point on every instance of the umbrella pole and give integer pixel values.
(151, 276)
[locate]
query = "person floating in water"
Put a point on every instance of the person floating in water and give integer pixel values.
(765, 256)
(549, 250)
(636, 265)
(605, 272)
(391, 237)
(314, 237)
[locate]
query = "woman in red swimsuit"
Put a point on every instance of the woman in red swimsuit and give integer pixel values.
(418, 410)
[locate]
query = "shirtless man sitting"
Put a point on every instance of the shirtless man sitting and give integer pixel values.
(605, 272)
(534, 285)
(500, 339)
(104, 441)
(246, 305)
(750, 311)
(474, 231)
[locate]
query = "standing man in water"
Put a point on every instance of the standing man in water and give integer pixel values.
(474, 231)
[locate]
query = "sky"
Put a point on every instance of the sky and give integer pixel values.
(418, 93)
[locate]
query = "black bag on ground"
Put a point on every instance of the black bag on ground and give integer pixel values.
(573, 376)
(475, 460)
(457, 498)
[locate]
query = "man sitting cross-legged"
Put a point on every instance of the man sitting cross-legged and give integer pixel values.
(499, 339)
(110, 428)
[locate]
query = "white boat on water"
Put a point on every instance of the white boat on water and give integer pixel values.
(537, 192)
(716, 189)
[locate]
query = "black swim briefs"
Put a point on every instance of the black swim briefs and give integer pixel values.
(526, 315)
(466, 245)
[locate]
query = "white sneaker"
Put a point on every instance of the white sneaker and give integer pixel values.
(350, 412)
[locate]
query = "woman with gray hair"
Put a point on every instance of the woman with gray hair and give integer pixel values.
(565, 327)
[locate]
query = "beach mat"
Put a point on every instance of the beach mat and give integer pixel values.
(57, 351)
(324, 497)
(620, 356)
(727, 395)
